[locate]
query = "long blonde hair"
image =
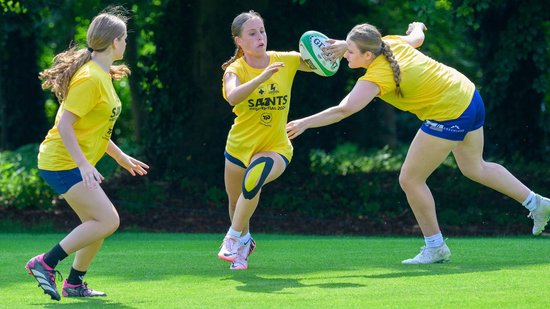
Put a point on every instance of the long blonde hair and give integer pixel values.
(368, 38)
(236, 30)
(103, 30)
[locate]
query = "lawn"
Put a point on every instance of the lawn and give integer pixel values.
(139, 270)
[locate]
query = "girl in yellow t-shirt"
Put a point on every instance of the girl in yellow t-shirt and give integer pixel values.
(82, 81)
(453, 115)
(257, 83)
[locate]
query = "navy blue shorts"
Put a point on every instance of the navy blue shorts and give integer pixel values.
(61, 181)
(238, 162)
(472, 119)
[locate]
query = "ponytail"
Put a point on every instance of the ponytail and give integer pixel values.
(238, 53)
(58, 76)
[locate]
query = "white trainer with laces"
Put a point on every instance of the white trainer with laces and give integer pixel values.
(431, 255)
(241, 262)
(229, 248)
(540, 215)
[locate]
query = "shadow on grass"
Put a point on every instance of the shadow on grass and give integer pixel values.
(85, 303)
(256, 284)
(356, 258)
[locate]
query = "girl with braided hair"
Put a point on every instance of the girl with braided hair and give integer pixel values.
(89, 107)
(452, 112)
(257, 83)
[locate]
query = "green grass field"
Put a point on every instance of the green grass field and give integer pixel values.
(182, 271)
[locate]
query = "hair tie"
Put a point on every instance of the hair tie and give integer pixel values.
(90, 49)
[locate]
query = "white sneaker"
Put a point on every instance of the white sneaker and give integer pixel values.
(245, 250)
(229, 248)
(540, 215)
(431, 255)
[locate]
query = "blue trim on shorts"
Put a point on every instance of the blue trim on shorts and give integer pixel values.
(471, 119)
(238, 162)
(61, 181)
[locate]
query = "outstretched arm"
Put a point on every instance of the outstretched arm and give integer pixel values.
(415, 34)
(303, 66)
(335, 50)
(360, 96)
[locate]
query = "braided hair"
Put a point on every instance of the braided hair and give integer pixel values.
(236, 30)
(368, 38)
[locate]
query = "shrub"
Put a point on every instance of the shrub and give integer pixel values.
(20, 184)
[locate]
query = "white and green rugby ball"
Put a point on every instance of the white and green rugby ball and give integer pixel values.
(310, 46)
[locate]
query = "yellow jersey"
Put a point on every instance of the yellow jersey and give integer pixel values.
(260, 123)
(93, 99)
(431, 89)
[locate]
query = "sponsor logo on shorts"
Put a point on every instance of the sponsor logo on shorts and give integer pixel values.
(440, 127)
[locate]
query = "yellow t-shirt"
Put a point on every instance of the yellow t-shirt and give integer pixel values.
(261, 119)
(93, 99)
(431, 89)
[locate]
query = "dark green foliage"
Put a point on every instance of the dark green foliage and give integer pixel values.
(512, 42)
(20, 184)
(22, 117)
(175, 118)
(369, 192)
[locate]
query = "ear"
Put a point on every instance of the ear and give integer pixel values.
(238, 41)
(368, 55)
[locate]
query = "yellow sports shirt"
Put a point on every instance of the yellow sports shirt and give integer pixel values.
(261, 119)
(431, 89)
(93, 99)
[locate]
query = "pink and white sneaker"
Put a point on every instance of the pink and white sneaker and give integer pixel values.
(229, 248)
(79, 290)
(244, 251)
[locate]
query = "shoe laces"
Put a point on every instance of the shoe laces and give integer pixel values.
(533, 216)
(85, 289)
(230, 243)
(52, 275)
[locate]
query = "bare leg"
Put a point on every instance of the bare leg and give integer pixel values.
(233, 177)
(469, 157)
(425, 154)
(99, 220)
(246, 207)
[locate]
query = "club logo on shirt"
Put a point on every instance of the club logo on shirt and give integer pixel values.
(265, 119)
(268, 99)
(268, 89)
(273, 88)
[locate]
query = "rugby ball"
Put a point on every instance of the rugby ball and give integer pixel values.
(310, 46)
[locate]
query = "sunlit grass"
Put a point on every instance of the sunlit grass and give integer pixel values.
(182, 271)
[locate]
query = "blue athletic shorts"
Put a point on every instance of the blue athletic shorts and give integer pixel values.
(61, 181)
(456, 129)
(238, 162)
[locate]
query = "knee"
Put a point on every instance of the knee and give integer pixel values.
(232, 206)
(405, 181)
(111, 223)
(472, 172)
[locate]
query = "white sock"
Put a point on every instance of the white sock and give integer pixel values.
(529, 202)
(434, 241)
(234, 233)
(245, 238)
